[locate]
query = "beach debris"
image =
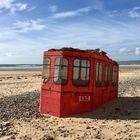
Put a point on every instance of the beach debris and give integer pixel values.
(88, 127)
(26, 137)
(47, 137)
(121, 117)
(5, 129)
(20, 106)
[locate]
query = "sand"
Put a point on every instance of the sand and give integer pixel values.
(20, 118)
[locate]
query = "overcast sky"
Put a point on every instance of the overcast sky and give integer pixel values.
(28, 27)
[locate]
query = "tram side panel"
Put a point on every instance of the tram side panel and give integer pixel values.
(106, 81)
(75, 103)
(103, 93)
(79, 99)
(50, 103)
(104, 87)
(114, 86)
(50, 96)
(97, 92)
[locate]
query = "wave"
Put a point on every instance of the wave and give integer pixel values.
(20, 66)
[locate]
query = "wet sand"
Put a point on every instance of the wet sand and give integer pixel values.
(20, 118)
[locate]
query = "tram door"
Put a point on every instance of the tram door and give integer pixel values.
(97, 91)
(114, 82)
(106, 83)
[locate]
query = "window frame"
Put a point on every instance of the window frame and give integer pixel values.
(114, 75)
(61, 83)
(80, 69)
(44, 80)
(107, 75)
(97, 82)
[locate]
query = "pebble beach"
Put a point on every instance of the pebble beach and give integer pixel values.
(20, 118)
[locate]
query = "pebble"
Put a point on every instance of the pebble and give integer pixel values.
(4, 129)
(124, 129)
(25, 137)
(136, 121)
(46, 137)
(25, 107)
(20, 106)
(88, 127)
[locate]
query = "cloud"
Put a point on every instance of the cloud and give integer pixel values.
(18, 7)
(9, 54)
(109, 35)
(117, 39)
(125, 13)
(25, 26)
(12, 6)
(137, 51)
(123, 51)
(134, 13)
(22, 27)
(53, 8)
(72, 13)
(31, 8)
(21, 52)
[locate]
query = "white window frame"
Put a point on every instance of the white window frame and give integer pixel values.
(114, 75)
(46, 70)
(98, 73)
(61, 71)
(107, 74)
(79, 79)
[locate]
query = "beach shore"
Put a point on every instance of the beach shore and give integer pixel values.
(20, 118)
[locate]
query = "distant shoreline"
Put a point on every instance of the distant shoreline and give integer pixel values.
(129, 66)
(20, 69)
(40, 68)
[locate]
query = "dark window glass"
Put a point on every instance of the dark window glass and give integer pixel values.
(107, 74)
(98, 74)
(81, 71)
(114, 75)
(60, 72)
(46, 69)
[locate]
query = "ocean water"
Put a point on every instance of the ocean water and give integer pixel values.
(132, 63)
(21, 66)
(39, 66)
(135, 63)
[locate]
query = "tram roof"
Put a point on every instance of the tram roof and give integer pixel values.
(70, 49)
(97, 51)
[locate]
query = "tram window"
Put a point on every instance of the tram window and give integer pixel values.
(107, 74)
(114, 75)
(81, 72)
(98, 74)
(46, 70)
(60, 71)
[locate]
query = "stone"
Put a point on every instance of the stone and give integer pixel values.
(6, 124)
(88, 127)
(46, 137)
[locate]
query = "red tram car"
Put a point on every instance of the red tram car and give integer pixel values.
(77, 81)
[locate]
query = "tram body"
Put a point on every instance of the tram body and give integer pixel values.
(77, 81)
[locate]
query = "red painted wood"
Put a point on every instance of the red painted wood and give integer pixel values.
(69, 99)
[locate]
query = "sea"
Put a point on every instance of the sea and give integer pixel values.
(21, 66)
(135, 63)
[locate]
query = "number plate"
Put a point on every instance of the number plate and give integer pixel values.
(84, 98)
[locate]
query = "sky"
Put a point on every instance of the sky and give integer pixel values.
(29, 27)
